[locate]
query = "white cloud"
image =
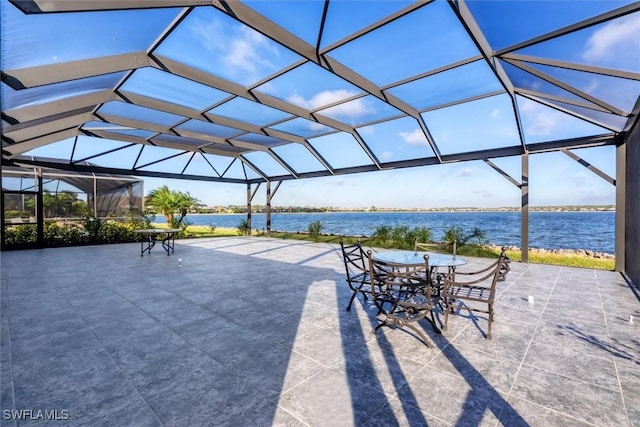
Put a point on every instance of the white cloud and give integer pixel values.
(443, 136)
(386, 155)
(416, 137)
(211, 33)
(617, 39)
(243, 51)
(508, 131)
(318, 127)
(496, 114)
(352, 109)
(467, 172)
(246, 52)
(540, 121)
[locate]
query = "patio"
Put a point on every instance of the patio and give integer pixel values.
(253, 331)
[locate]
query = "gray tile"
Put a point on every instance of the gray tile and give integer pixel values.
(375, 364)
(574, 362)
(323, 346)
(629, 376)
(510, 340)
(577, 399)
(520, 413)
(477, 366)
(253, 331)
(574, 336)
(455, 399)
(330, 398)
(396, 413)
(89, 395)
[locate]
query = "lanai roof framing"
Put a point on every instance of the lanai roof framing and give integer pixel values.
(256, 122)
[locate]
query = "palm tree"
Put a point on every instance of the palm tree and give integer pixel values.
(170, 202)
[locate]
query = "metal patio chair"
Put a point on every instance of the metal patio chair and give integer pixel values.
(402, 294)
(436, 276)
(356, 270)
(474, 291)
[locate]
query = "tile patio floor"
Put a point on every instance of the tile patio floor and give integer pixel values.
(253, 332)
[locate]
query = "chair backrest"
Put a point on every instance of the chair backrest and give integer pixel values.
(424, 247)
(504, 269)
(421, 247)
(486, 277)
(389, 276)
(354, 258)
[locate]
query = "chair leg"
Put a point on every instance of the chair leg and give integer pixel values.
(419, 333)
(446, 315)
(351, 300)
(380, 325)
(433, 322)
(490, 321)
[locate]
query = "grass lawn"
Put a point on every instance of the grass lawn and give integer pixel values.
(568, 260)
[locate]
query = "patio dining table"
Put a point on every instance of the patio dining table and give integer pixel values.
(405, 311)
(149, 236)
(416, 259)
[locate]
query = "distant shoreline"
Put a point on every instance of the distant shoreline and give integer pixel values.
(299, 209)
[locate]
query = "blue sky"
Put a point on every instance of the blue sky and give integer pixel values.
(555, 179)
(214, 43)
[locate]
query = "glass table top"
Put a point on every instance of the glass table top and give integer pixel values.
(417, 258)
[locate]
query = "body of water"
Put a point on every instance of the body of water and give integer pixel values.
(549, 230)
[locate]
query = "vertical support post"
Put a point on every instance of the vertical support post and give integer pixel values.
(621, 207)
(524, 209)
(248, 209)
(40, 210)
(95, 197)
(2, 224)
(268, 208)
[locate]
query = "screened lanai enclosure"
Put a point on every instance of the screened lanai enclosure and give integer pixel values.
(67, 198)
(71, 194)
(262, 92)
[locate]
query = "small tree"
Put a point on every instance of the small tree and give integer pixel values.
(171, 203)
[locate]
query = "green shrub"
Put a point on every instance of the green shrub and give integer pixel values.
(21, 234)
(476, 237)
(115, 232)
(400, 236)
(70, 234)
(243, 228)
(13, 214)
(314, 230)
(92, 227)
(421, 234)
(455, 234)
(67, 235)
(148, 218)
(382, 234)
